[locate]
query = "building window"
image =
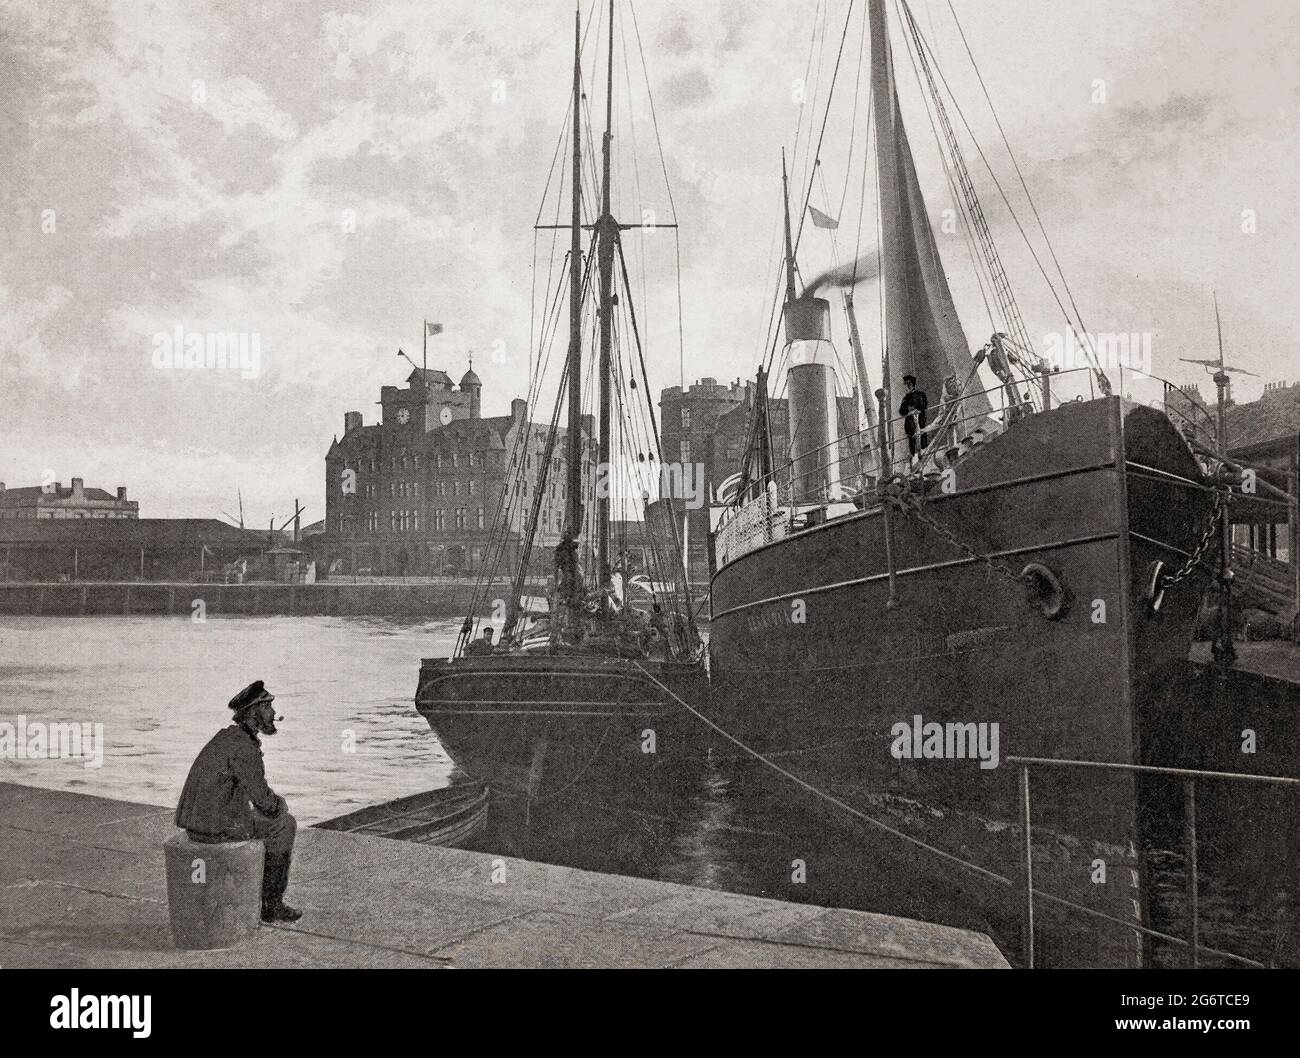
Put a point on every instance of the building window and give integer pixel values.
(480, 517)
(686, 418)
(392, 520)
(415, 462)
(438, 522)
(392, 490)
(455, 459)
(685, 450)
(469, 487)
(460, 517)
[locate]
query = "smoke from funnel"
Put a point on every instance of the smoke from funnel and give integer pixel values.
(864, 269)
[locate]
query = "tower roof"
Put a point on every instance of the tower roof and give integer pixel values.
(431, 376)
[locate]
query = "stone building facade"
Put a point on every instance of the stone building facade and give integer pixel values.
(55, 501)
(708, 425)
(419, 492)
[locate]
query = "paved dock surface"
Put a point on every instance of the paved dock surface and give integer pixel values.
(83, 884)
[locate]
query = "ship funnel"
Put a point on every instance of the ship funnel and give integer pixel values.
(808, 320)
(814, 445)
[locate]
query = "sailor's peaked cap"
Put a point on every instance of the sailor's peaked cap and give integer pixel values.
(251, 695)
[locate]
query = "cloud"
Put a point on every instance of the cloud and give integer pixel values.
(327, 178)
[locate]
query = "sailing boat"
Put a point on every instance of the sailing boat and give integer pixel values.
(577, 705)
(1009, 575)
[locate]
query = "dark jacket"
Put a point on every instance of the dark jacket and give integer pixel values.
(915, 401)
(225, 777)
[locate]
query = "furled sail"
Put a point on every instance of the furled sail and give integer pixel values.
(923, 334)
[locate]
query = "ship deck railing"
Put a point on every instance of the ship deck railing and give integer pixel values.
(1190, 777)
(847, 469)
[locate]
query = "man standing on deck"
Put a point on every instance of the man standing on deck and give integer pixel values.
(913, 409)
(226, 797)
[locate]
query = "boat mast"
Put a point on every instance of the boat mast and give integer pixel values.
(790, 295)
(893, 279)
(607, 234)
(860, 362)
(573, 514)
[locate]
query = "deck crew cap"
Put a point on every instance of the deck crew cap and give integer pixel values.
(254, 694)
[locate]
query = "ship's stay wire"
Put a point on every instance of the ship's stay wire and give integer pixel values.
(927, 50)
(1019, 174)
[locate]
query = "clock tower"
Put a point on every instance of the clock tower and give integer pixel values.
(429, 401)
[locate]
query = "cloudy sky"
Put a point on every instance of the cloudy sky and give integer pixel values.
(324, 175)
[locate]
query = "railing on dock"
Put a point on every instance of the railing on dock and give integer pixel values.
(1190, 776)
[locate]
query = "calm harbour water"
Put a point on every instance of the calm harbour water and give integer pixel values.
(351, 737)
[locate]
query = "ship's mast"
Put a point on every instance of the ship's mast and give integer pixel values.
(573, 514)
(790, 295)
(607, 234)
(860, 363)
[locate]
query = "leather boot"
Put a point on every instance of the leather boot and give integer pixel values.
(275, 880)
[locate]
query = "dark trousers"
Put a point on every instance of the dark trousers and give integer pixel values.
(912, 445)
(277, 833)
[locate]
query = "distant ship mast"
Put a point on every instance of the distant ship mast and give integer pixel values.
(573, 515)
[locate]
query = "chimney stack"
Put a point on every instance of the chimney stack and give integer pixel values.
(121, 494)
(519, 410)
(351, 421)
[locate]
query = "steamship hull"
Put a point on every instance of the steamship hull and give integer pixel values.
(810, 667)
(567, 733)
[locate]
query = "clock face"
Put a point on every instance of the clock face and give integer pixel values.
(444, 416)
(404, 415)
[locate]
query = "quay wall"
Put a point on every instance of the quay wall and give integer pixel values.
(259, 599)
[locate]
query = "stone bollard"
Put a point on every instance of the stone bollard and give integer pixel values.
(214, 892)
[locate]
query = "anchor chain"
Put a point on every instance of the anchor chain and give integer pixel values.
(1207, 537)
(910, 503)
